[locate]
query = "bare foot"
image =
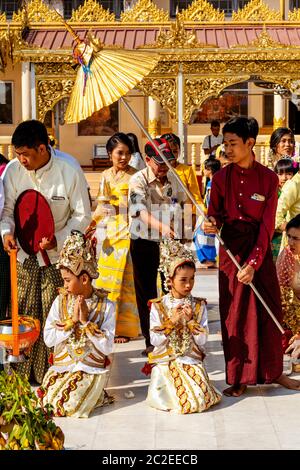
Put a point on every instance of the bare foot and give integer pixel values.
(235, 390)
(286, 382)
(121, 339)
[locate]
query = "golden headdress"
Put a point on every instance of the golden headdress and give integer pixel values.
(172, 255)
(79, 254)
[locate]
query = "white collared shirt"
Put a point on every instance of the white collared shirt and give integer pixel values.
(163, 200)
(65, 189)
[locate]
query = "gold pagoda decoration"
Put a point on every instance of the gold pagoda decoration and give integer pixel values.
(294, 15)
(2, 18)
(35, 11)
(256, 10)
(145, 11)
(177, 37)
(202, 10)
(92, 11)
(263, 42)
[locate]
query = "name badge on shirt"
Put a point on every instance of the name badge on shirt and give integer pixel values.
(258, 197)
(58, 198)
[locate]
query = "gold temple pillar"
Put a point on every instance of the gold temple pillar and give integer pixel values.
(26, 91)
(154, 125)
(279, 119)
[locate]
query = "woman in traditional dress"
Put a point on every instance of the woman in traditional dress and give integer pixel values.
(288, 272)
(80, 326)
(285, 168)
(205, 244)
(115, 265)
(179, 330)
(282, 144)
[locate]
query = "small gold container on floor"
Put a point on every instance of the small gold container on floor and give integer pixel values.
(296, 367)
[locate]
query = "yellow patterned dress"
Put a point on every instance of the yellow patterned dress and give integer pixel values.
(115, 264)
(179, 381)
(74, 385)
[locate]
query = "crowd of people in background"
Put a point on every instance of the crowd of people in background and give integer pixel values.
(105, 298)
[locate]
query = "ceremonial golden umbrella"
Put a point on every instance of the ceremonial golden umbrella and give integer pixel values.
(105, 74)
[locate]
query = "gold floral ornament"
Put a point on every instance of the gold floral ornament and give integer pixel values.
(202, 10)
(79, 254)
(92, 11)
(177, 37)
(172, 255)
(2, 18)
(145, 11)
(35, 11)
(294, 15)
(256, 10)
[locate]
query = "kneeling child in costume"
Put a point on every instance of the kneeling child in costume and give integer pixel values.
(81, 327)
(178, 330)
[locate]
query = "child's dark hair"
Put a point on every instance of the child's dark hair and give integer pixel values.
(186, 264)
(3, 159)
(212, 164)
(78, 275)
(215, 123)
(277, 136)
(30, 134)
(286, 165)
(116, 139)
(242, 127)
(293, 223)
(134, 141)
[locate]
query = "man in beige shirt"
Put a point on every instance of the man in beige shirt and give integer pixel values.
(65, 189)
(156, 210)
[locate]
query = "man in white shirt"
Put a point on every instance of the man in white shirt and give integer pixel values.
(212, 142)
(65, 190)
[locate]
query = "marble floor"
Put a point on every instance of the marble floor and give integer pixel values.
(266, 417)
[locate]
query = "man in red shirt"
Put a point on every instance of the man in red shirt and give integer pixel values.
(243, 205)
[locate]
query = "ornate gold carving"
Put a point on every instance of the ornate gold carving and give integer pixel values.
(2, 18)
(201, 10)
(198, 90)
(279, 122)
(178, 37)
(36, 11)
(294, 15)
(145, 11)
(256, 10)
(161, 89)
(54, 68)
(154, 127)
(264, 41)
(92, 11)
(8, 41)
(50, 92)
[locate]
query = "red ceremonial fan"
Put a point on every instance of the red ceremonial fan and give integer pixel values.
(34, 221)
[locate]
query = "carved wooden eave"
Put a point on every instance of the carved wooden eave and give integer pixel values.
(256, 10)
(202, 11)
(92, 11)
(145, 11)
